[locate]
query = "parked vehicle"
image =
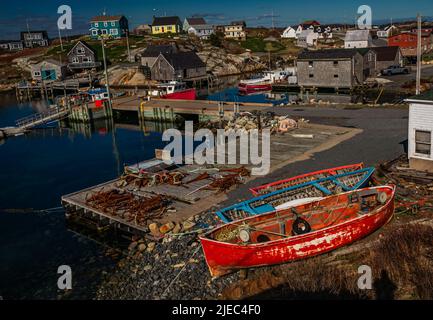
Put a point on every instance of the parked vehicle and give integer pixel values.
(299, 232)
(395, 70)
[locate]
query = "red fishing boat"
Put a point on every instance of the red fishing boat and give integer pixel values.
(174, 90)
(300, 232)
(304, 178)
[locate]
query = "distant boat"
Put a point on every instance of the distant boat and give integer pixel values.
(263, 83)
(286, 183)
(301, 232)
(174, 90)
(311, 189)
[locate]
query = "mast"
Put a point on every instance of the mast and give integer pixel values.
(418, 56)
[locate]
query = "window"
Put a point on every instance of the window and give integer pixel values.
(335, 63)
(113, 24)
(311, 75)
(75, 60)
(96, 24)
(335, 75)
(94, 32)
(310, 64)
(114, 32)
(37, 73)
(80, 50)
(87, 59)
(423, 142)
(104, 31)
(105, 24)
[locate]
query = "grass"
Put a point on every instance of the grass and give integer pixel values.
(401, 264)
(256, 44)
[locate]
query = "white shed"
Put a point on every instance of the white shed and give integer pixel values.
(420, 151)
(357, 39)
(289, 33)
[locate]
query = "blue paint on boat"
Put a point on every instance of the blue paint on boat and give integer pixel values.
(266, 207)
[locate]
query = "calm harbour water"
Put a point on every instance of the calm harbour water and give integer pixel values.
(35, 171)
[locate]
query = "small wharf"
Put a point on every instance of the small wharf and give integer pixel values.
(192, 197)
(167, 109)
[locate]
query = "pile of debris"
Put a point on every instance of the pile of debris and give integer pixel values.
(247, 121)
(127, 206)
(146, 179)
(414, 188)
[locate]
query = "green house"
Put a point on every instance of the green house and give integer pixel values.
(115, 26)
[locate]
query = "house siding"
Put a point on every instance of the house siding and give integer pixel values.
(420, 118)
(349, 72)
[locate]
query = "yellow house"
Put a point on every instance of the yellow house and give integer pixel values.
(163, 25)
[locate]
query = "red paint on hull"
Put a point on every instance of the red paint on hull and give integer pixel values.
(281, 184)
(189, 94)
(225, 257)
(254, 87)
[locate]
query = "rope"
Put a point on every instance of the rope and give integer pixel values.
(31, 210)
(180, 272)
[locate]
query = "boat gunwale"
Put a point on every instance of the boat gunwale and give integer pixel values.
(369, 172)
(271, 243)
(275, 183)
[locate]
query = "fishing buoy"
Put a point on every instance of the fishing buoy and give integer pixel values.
(382, 197)
(244, 235)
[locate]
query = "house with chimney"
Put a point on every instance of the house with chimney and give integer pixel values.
(163, 25)
(114, 26)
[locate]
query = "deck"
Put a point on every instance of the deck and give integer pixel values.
(192, 198)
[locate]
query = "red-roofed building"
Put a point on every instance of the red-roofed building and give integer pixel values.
(408, 42)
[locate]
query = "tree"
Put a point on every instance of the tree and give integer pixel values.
(215, 41)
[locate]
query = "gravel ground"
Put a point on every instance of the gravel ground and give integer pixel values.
(177, 269)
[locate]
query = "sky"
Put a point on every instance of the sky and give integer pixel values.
(42, 14)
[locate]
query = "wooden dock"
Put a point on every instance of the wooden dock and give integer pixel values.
(167, 109)
(193, 198)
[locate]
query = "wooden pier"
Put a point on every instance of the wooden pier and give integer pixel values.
(167, 109)
(190, 199)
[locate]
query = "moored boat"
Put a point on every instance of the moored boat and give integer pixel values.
(311, 189)
(286, 183)
(264, 82)
(300, 232)
(174, 90)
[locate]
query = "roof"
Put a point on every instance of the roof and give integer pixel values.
(84, 43)
(165, 21)
(357, 35)
(328, 54)
(202, 27)
(237, 23)
(184, 60)
(156, 50)
(311, 22)
(106, 18)
(426, 97)
(386, 53)
(51, 61)
(196, 21)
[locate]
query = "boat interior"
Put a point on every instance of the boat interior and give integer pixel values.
(305, 218)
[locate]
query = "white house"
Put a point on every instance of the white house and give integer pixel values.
(289, 33)
(307, 38)
(357, 39)
(420, 151)
(385, 33)
(202, 31)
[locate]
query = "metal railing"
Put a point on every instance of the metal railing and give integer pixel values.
(41, 117)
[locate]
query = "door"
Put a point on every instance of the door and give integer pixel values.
(48, 74)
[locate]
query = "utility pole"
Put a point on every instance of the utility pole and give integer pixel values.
(418, 56)
(107, 84)
(28, 32)
(61, 42)
(127, 44)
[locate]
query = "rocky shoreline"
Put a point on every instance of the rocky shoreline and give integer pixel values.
(174, 269)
